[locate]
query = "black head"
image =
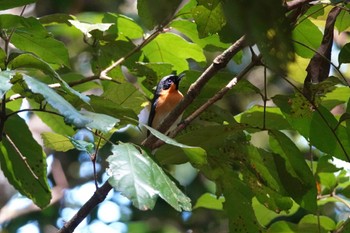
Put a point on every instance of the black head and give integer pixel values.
(166, 82)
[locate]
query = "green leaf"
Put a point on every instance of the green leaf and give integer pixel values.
(314, 223)
(238, 206)
(295, 174)
(101, 122)
(196, 155)
(71, 115)
(123, 26)
(255, 117)
(27, 60)
(8, 4)
(86, 28)
(31, 36)
(5, 82)
(157, 12)
(344, 55)
(158, 50)
(56, 142)
(309, 35)
(24, 162)
(189, 29)
(3, 58)
(282, 226)
(343, 20)
(210, 201)
(260, 172)
(124, 95)
(106, 106)
(140, 179)
(57, 18)
(209, 17)
(82, 145)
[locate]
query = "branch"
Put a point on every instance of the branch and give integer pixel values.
(219, 63)
(99, 196)
(104, 72)
(216, 97)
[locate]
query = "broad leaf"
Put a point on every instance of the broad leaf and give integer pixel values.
(158, 50)
(308, 34)
(24, 162)
(209, 17)
(28, 60)
(140, 179)
(71, 115)
(210, 201)
(31, 36)
(82, 145)
(295, 174)
(157, 12)
(196, 155)
(122, 26)
(86, 28)
(344, 55)
(342, 22)
(5, 82)
(101, 122)
(56, 142)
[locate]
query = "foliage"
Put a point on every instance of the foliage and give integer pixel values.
(271, 157)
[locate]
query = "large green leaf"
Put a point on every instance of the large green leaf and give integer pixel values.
(8, 4)
(209, 17)
(24, 162)
(162, 49)
(189, 29)
(157, 12)
(27, 60)
(70, 114)
(294, 173)
(31, 36)
(196, 155)
(123, 26)
(344, 55)
(5, 82)
(319, 126)
(140, 179)
(101, 122)
(309, 35)
(56, 141)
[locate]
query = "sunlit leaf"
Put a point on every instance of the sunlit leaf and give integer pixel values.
(56, 142)
(309, 35)
(210, 201)
(5, 82)
(139, 178)
(86, 28)
(24, 162)
(101, 122)
(158, 50)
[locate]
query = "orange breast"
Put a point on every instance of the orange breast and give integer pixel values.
(168, 100)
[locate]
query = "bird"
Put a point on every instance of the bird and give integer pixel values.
(166, 97)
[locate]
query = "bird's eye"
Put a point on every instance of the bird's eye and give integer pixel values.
(167, 84)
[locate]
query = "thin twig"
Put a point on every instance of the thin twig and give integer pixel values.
(33, 110)
(103, 74)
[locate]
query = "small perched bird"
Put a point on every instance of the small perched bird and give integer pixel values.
(165, 99)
